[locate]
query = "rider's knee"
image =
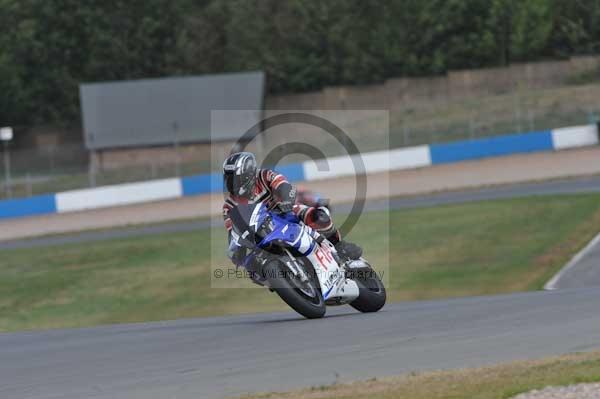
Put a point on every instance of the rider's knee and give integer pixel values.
(319, 219)
(322, 216)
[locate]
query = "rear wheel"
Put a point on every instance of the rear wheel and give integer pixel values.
(372, 295)
(302, 296)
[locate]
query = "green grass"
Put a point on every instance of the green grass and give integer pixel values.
(469, 249)
(497, 382)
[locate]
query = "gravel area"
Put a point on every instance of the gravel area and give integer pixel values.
(579, 391)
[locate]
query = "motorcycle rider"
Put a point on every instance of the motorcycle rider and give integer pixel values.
(244, 182)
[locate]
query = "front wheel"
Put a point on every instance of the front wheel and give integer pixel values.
(304, 297)
(372, 294)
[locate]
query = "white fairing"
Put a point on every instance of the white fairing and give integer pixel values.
(332, 280)
(305, 241)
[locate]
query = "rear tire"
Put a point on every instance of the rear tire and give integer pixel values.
(287, 287)
(372, 295)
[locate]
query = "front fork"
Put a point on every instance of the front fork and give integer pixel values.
(295, 267)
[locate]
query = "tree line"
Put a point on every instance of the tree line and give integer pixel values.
(47, 47)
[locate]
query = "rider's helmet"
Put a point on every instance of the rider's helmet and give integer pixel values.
(239, 174)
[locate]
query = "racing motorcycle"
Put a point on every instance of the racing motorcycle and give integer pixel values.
(300, 265)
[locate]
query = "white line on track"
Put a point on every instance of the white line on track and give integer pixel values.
(553, 282)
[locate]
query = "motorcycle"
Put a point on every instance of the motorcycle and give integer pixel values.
(300, 265)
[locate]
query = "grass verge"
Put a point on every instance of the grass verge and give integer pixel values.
(496, 382)
(456, 250)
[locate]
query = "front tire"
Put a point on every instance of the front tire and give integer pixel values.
(304, 297)
(372, 295)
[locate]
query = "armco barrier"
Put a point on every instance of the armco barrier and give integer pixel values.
(380, 161)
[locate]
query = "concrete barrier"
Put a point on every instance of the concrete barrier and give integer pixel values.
(121, 194)
(379, 161)
(573, 137)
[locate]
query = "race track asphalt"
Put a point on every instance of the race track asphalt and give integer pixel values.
(229, 356)
(582, 271)
(220, 357)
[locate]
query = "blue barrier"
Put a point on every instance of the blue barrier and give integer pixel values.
(202, 184)
(38, 205)
(213, 183)
(293, 172)
(491, 147)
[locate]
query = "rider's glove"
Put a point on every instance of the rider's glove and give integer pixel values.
(285, 206)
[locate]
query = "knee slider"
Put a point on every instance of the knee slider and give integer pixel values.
(321, 216)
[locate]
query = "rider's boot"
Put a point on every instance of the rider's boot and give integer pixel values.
(320, 220)
(345, 249)
(348, 250)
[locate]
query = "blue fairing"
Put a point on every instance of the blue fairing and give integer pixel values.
(286, 229)
(280, 232)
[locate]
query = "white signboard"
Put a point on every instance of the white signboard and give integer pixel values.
(6, 133)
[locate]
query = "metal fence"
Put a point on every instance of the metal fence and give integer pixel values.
(518, 112)
(61, 169)
(66, 167)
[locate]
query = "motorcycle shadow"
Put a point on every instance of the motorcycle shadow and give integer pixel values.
(297, 318)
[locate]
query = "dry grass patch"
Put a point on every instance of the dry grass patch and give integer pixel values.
(496, 382)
